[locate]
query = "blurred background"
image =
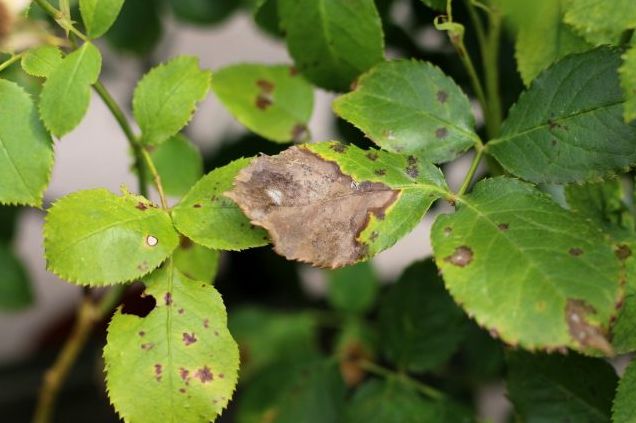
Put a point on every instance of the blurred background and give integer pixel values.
(96, 154)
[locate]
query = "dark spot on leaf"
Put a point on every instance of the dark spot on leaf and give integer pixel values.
(221, 375)
(623, 252)
(441, 133)
(448, 230)
(189, 338)
(142, 333)
(374, 236)
(167, 298)
(147, 346)
(204, 374)
(196, 206)
(442, 96)
(372, 156)
(216, 333)
(263, 102)
(214, 198)
(411, 160)
(380, 172)
(143, 266)
(182, 390)
(462, 256)
(180, 311)
(299, 132)
(158, 370)
(503, 227)
(554, 142)
(206, 323)
(184, 374)
(575, 252)
(141, 206)
(293, 71)
(266, 86)
(338, 147)
(581, 331)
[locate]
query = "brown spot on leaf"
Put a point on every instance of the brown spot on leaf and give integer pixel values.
(462, 256)
(180, 311)
(167, 298)
(204, 374)
(189, 338)
(351, 359)
(206, 323)
(142, 333)
(143, 266)
(158, 371)
(553, 142)
(196, 206)
(263, 102)
(266, 86)
(623, 252)
(441, 133)
(586, 335)
(293, 71)
(182, 390)
(147, 346)
(184, 374)
(442, 96)
(448, 231)
(141, 206)
(503, 227)
(374, 236)
(338, 147)
(380, 172)
(372, 156)
(575, 252)
(312, 211)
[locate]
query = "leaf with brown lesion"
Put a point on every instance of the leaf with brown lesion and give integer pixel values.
(330, 205)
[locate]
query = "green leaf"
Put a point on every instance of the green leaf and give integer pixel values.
(203, 12)
(599, 21)
(353, 289)
(179, 363)
(209, 218)
(602, 203)
(179, 164)
(420, 326)
(66, 93)
(624, 408)
(99, 15)
(556, 280)
(95, 238)
(138, 28)
(41, 61)
(624, 329)
(332, 42)
(535, 53)
(554, 388)
(392, 401)
(315, 395)
(196, 261)
(266, 337)
(438, 5)
(332, 205)
(166, 98)
(627, 73)
(272, 101)
(15, 287)
(411, 107)
(26, 155)
(568, 126)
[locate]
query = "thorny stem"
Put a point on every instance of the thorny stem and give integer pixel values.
(88, 314)
(10, 61)
(378, 370)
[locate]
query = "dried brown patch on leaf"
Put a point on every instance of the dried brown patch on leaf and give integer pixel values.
(462, 256)
(585, 334)
(351, 364)
(313, 212)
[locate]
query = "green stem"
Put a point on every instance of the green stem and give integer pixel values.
(479, 153)
(156, 177)
(458, 43)
(10, 61)
(378, 370)
(491, 74)
(137, 148)
(88, 314)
